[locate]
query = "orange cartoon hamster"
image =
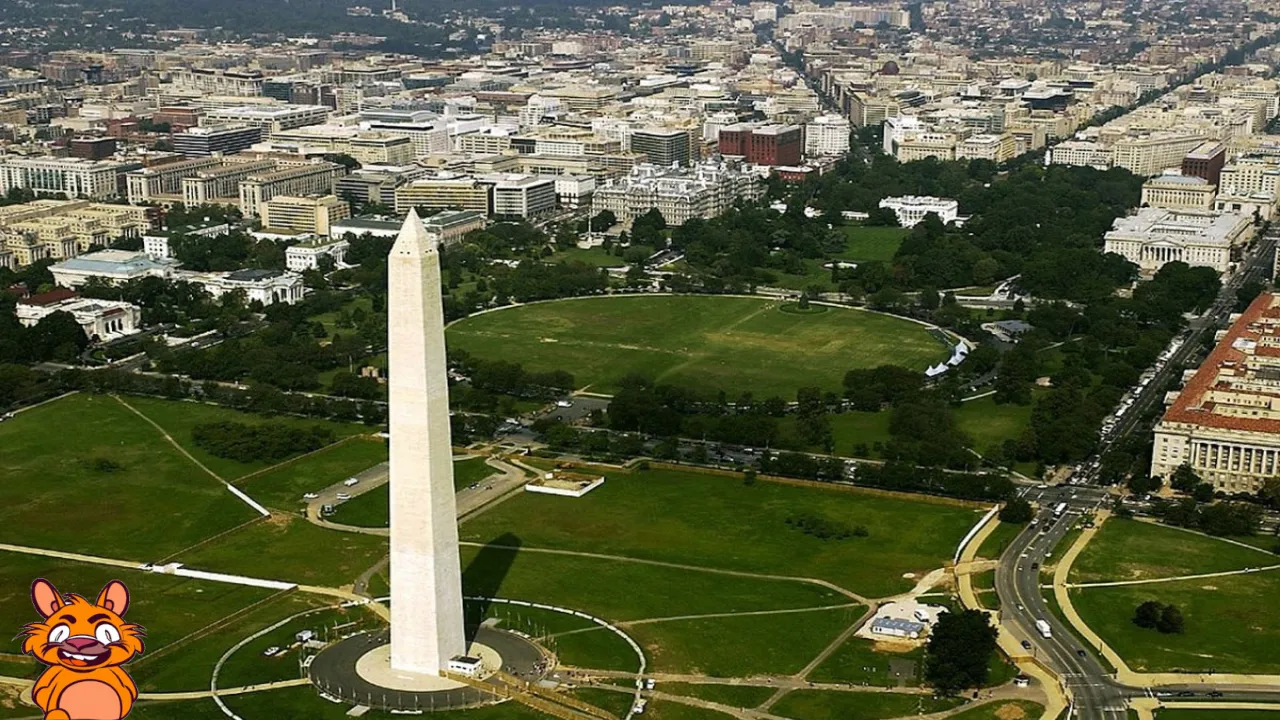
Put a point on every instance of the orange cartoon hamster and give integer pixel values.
(84, 644)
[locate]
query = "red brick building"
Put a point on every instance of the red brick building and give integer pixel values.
(1206, 161)
(763, 144)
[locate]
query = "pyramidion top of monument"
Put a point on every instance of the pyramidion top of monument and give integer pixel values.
(414, 240)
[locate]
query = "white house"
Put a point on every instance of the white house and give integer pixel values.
(912, 209)
(265, 286)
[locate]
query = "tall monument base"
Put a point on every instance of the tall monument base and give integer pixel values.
(358, 671)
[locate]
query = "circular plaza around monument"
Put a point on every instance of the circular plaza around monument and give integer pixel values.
(710, 342)
(357, 670)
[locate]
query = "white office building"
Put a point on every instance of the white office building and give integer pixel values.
(77, 177)
(827, 135)
(307, 255)
(101, 319)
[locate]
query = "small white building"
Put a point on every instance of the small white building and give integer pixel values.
(160, 245)
(306, 255)
(100, 319)
(898, 627)
(465, 666)
(912, 209)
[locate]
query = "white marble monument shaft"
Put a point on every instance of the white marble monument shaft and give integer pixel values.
(426, 578)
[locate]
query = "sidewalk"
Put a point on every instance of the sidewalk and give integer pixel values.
(1056, 698)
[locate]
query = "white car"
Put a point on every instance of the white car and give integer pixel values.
(344, 496)
(564, 403)
(350, 481)
(310, 496)
(271, 651)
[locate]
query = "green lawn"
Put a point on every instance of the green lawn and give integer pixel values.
(330, 319)
(1002, 710)
(667, 710)
(596, 256)
(190, 666)
(739, 696)
(710, 343)
(613, 589)
(1133, 550)
(178, 418)
(373, 509)
(283, 487)
(871, 243)
(170, 608)
(289, 548)
(831, 705)
(858, 662)
(716, 521)
(993, 547)
(248, 666)
(988, 424)
(744, 646)
(53, 494)
(1231, 625)
(303, 702)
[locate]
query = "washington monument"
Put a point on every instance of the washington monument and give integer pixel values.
(426, 592)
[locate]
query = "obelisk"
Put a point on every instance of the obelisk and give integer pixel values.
(426, 577)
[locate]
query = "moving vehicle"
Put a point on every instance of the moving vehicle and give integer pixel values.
(1060, 509)
(564, 403)
(310, 496)
(344, 496)
(271, 651)
(351, 481)
(1042, 627)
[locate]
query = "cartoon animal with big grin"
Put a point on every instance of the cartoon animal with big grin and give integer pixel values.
(84, 644)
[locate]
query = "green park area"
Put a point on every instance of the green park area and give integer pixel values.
(1002, 710)
(863, 662)
(1229, 623)
(283, 486)
(118, 490)
(868, 243)
(708, 343)
(831, 705)
(372, 509)
(739, 696)
(1134, 550)
(725, 523)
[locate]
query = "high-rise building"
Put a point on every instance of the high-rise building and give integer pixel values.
(662, 146)
(304, 214)
(210, 139)
(1206, 161)
(315, 178)
(762, 144)
(445, 192)
(76, 177)
(827, 135)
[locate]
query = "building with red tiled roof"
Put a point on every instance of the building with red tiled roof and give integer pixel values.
(1225, 423)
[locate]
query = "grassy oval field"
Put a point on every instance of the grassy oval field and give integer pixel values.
(710, 343)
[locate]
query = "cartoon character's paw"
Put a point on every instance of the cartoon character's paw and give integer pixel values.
(57, 715)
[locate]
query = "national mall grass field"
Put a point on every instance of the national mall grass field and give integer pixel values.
(734, 344)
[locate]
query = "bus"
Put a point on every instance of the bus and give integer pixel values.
(1060, 510)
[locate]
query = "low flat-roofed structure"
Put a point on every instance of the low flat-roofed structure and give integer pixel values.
(564, 483)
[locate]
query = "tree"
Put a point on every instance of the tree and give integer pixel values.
(1017, 511)
(1171, 621)
(1147, 615)
(1184, 479)
(602, 221)
(959, 651)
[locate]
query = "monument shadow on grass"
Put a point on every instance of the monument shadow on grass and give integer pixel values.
(483, 577)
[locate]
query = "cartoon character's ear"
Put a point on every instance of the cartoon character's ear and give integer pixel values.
(45, 597)
(114, 597)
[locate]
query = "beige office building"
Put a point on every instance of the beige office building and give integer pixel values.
(1179, 192)
(304, 214)
(445, 193)
(1225, 424)
(62, 229)
(315, 178)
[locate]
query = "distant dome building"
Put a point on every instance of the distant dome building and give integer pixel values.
(890, 68)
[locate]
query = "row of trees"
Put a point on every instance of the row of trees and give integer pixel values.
(265, 442)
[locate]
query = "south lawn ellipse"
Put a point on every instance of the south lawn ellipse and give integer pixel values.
(705, 342)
